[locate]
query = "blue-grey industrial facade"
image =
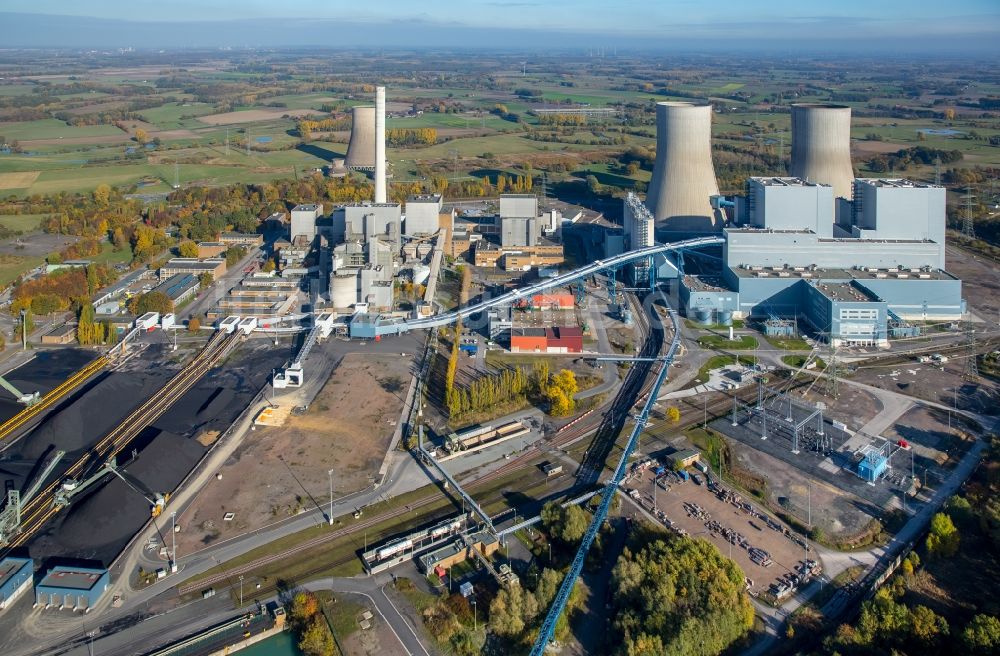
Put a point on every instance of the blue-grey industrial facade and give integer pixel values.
(75, 588)
(863, 284)
(15, 579)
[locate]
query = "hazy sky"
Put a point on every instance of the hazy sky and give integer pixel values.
(947, 23)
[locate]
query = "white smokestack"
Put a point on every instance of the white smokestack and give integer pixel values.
(380, 144)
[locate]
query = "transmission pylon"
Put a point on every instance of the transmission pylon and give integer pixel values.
(967, 227)
(832, 377)
(971, 366)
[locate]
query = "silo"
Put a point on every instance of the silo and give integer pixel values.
(683, 178)
(344, 288)
(821, 146)
(361, 149)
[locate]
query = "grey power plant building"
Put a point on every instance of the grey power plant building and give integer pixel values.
(361, 149)
(821, 146)
(862, 283)
(683, 181)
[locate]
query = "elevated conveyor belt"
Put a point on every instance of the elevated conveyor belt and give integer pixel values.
(559, 281)
(559, 603)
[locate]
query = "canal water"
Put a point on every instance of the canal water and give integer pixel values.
(282, 644)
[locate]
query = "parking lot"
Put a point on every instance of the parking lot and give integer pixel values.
(762, 546)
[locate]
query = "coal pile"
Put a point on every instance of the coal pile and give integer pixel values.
(99, 525)
(43, 373)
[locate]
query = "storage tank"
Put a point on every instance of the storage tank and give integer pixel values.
(343, 289)
(361, 149)
(703, 316)
(725, 318)
(683, 179)
(821, 146)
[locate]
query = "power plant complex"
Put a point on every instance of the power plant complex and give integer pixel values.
(855, 260)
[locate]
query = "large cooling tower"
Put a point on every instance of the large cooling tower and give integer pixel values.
(683, 177)
(379, 144)
(361, 149)
(821, 146)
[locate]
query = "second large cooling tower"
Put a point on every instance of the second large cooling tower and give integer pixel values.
(821, 146)
(361, 149)
(683, 178)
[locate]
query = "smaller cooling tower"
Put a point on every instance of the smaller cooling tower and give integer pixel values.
(361, 149)
(683, 178)
(821, 146)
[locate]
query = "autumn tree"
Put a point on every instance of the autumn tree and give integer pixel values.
(673, 414)
(194, 324)
(150, 302)
(943, 538)
(187, 249)
(102, 195)
(982, 635)
(568, 525)
(87, 330)
(141, 136)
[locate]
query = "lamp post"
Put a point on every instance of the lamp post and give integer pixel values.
(241, 591)
(173, 542)
(329, 517)
(475, 616)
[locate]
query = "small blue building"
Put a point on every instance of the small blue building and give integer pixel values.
(15, 579)
(77, 588)
(873, 464)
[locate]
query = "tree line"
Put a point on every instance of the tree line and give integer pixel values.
(411, 137)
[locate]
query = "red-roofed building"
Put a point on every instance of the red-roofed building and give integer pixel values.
(564, 340)
(528, 340)
(556, 301)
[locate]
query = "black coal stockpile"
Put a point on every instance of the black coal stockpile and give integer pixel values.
(99, 525)
(44, 372)
(75, 428)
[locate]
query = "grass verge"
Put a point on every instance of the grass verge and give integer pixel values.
(742, 343)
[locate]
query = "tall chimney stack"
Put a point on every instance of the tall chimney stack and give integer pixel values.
(380, 144)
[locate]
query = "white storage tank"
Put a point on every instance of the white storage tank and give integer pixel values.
(344, 289)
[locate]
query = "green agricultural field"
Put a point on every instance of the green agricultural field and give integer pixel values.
(51, 128)
(172, 115)
(109, 255)
(22, 222)
(16, 89)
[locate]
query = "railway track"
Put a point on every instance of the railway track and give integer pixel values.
(42, 508)
(54, 396)
(346, 531)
